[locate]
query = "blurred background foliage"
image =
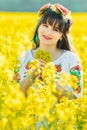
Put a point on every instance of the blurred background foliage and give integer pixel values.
(34, 5)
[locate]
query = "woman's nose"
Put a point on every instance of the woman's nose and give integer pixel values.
(49, 31)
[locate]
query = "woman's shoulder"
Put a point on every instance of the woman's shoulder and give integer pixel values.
(74, 59)
(71, 58)
(71, 55)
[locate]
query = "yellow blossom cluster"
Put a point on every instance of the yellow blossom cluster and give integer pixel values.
(44, 55)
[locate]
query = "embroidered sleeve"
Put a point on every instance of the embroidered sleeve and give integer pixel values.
(75, 69)
(17, 76)
(20, 71)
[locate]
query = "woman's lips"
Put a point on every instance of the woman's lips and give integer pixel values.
(46, 37)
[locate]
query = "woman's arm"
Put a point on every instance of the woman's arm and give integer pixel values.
(75, 69)
(28, 81)
(24, 85)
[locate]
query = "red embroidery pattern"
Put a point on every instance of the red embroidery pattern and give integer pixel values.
(77, 72)
(58, 67)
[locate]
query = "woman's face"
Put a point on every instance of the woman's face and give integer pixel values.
(48, 35)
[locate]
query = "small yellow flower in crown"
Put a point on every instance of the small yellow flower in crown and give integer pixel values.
(53, 8)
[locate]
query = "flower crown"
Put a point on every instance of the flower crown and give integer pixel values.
(59, 9)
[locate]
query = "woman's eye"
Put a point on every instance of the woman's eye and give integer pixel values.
(45, 25)
(55, 29)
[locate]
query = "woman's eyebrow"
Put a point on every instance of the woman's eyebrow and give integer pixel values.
(55, 27)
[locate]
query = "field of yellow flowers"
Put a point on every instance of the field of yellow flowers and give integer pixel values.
(37, 111)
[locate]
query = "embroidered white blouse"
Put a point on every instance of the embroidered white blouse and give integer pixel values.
(67, 62)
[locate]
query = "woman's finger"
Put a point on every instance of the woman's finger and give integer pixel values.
(42, 63)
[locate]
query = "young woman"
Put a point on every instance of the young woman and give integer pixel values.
(52, 35)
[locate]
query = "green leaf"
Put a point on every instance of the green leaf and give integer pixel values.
(38, 125)
(45, 123)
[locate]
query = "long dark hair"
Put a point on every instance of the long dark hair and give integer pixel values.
(55, 20)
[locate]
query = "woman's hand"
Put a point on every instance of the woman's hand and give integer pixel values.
(28, 81)
(33, 73)
(42, 63)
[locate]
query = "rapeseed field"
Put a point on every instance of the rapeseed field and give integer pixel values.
(37, 111)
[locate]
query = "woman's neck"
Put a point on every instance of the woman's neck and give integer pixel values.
(51, 50)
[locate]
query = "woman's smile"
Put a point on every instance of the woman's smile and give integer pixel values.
(47, 37)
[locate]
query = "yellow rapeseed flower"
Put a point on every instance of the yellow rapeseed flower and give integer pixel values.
(44, 55)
